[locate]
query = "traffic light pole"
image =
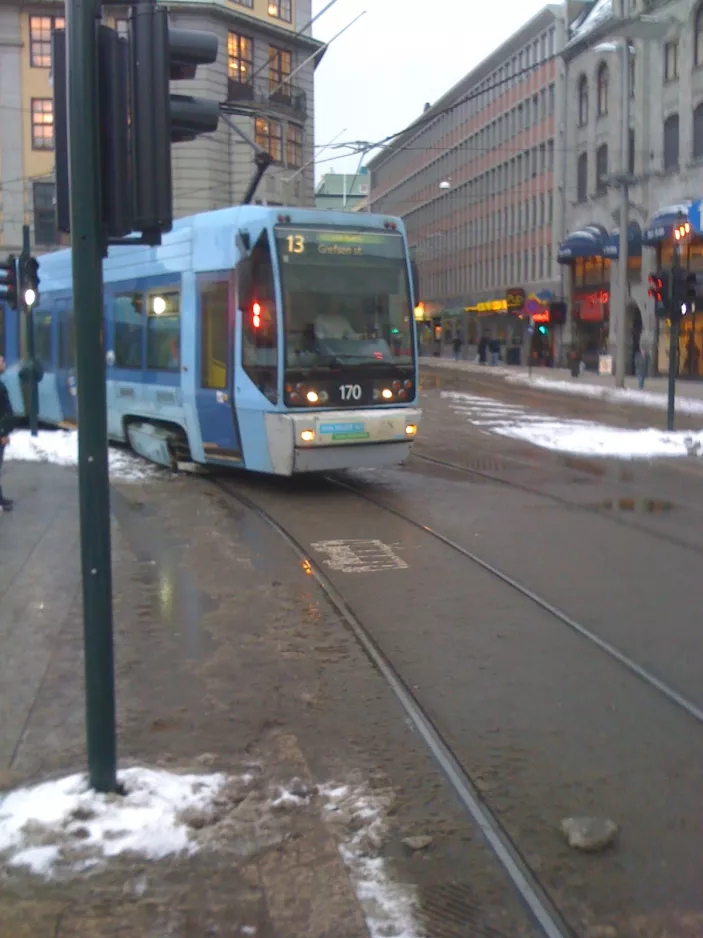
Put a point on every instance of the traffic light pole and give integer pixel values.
(28, 312)
(675, 315)
(93, 481)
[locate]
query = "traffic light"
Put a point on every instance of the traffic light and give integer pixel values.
(659, 291)
(692, 290)
(139, 119)
(682, 229)
(160, 55)
(29, 279)
(9, 281)
(557, 313)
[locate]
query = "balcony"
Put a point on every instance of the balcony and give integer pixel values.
(287, 100)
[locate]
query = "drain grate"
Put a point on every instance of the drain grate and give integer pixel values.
(454, 911)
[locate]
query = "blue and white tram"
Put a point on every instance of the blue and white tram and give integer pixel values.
(278, 340)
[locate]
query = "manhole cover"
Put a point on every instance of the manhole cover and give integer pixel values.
(455, 911)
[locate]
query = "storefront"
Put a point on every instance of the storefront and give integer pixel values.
(690, 351)
(583, 251)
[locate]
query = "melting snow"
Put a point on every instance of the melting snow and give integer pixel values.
(61, 448)
(602, 10)
(650, 399)
(583, 438)
(64, 824)
(389, 907)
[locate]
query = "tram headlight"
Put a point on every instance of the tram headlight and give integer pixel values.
(386, 394)
(307, 436)
(410, 430)
(312, 397)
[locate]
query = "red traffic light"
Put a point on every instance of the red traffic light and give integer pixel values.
(656, 287)
(9, 281)
(256, 316)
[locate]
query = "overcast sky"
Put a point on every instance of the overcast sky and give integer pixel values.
(376, 78)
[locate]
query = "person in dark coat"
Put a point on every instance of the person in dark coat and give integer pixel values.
(6, 425)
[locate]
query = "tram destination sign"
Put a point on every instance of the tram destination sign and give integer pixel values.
(315, 245)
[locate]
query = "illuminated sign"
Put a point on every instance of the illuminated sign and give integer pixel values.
(490, 306)
(515, 299)
(304, 244)
(591, 306)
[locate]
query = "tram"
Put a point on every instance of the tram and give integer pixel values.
(280, 341)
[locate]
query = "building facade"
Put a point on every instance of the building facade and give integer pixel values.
(663, 165)
(343, 192)
(260, 44)
(477, 180)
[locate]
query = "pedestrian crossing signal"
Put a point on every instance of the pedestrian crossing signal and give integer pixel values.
(8, 271)
(659, 291)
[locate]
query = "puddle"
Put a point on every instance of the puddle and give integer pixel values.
(642, 506)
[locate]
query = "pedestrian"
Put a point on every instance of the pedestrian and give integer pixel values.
(641, 365)
(457, 343)
(495, 351)
(483, 349)
(6, 424)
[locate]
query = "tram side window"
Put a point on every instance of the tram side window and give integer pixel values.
(259, 325)
(42, 338)
(128, 323)
(214, 338)
(163, 331)
(2, 329)
(67, 341)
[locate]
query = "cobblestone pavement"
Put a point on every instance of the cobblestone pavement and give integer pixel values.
(226, 656)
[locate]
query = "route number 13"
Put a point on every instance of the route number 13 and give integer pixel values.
(296, 244)
(350, 392)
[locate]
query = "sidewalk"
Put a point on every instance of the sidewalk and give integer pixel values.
(690, 389)
(227, 661)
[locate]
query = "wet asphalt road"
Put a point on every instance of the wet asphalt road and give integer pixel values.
(544, 721)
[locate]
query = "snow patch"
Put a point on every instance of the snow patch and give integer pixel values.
(578, 437)
(650, 399)
(60, 447)
(359, 815)
(64, 826)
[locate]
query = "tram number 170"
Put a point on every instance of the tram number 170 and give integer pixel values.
(350, 392)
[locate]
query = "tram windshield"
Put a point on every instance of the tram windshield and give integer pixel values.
(346, 299)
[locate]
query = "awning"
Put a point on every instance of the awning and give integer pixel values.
(634, 242)
(586, 242)
(659, 227)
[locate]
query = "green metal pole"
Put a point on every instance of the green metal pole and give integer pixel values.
(87, 241)
(673, 367)
(29, 323)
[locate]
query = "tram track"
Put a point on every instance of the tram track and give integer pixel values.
(544, 911)
(545, 916)
(571, 504)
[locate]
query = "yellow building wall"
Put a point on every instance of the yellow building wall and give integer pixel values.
(260, 12)
(35, 84)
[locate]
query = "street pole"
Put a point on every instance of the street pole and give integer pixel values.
(621, 321)
(675, 315)
(28, 312)
(87, 241)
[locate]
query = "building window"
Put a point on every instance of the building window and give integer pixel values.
(269, 137)
(602, 90)
(633, 71)
(698, 133)
(40, 29)
(249, 4)
(582, 178)
(240, 58)
(583, 101)
(671, 61)
(698, 38)
(44, 213)
(281, 9)
(122, 28)
(279, 70)
(631, 154)
(671, 142)
(602, 169)
(42, 124)
(294, 146)
(552, 95)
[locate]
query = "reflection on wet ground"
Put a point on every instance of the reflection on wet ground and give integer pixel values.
(166, 589)
(646, 506)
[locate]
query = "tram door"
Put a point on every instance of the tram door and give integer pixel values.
(214, 393)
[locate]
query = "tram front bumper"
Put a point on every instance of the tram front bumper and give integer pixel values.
(340, 439)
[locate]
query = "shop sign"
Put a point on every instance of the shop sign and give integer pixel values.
(489, 306)
(515, 299)
(592, 305)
